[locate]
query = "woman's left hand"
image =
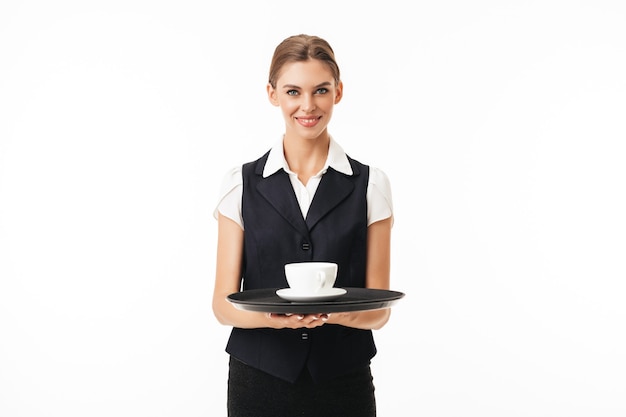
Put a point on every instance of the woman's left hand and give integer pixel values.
(297, 321)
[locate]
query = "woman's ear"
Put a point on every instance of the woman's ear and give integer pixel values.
(271, 95)
(338, 92)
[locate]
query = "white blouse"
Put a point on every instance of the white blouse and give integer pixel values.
(379, 203)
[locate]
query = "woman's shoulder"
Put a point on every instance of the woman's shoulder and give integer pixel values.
(230, 189)
(378, 176)
(230, 180)
(234, 176)
(380, 185)
(375, 173)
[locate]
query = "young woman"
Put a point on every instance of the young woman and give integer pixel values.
(304, 200)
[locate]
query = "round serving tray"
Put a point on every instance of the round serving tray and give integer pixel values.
(355, 299)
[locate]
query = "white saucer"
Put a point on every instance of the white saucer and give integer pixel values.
(325, 295)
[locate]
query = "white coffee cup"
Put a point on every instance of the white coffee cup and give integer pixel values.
(311, 277)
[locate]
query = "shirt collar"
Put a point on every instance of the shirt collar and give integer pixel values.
(336, 159)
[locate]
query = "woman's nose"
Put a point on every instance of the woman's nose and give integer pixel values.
(308, 104)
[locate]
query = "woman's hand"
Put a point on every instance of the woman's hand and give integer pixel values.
(297, 321)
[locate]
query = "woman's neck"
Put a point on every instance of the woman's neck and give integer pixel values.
(306, 157)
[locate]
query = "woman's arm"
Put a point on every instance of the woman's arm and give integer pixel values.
(228, 276)
(377, 276)
(228, 281)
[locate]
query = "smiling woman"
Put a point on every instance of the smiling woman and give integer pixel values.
(306, 94)
(304, 200)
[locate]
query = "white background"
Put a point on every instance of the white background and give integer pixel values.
(500, 125)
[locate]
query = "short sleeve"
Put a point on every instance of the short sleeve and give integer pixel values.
(379, 202)
(229, 202)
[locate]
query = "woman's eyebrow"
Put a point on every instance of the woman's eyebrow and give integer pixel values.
(293, 86)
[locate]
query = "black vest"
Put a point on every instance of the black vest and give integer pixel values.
(335, 230)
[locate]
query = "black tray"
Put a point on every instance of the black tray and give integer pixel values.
(355, 299)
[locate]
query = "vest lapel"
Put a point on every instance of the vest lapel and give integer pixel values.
(334, 188)
(277, 190)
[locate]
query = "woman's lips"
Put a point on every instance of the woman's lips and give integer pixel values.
(308, 121)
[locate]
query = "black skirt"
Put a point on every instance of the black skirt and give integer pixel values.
(254, 393)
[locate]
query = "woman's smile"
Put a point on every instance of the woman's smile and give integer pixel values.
(308, 121)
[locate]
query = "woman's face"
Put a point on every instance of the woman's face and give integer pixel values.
(306, 94)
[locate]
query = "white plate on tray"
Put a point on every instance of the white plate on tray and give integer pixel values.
(330, 294)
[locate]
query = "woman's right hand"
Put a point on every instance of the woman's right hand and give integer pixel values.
(296, 321)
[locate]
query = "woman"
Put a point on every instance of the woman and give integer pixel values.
(304, 200)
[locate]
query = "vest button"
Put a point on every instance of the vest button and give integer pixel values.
(306, 246)
(305, 336)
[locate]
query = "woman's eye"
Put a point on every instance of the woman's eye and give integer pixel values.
(292, 93)
(321, 91)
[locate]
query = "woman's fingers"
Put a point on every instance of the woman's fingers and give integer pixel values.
(295, 321)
